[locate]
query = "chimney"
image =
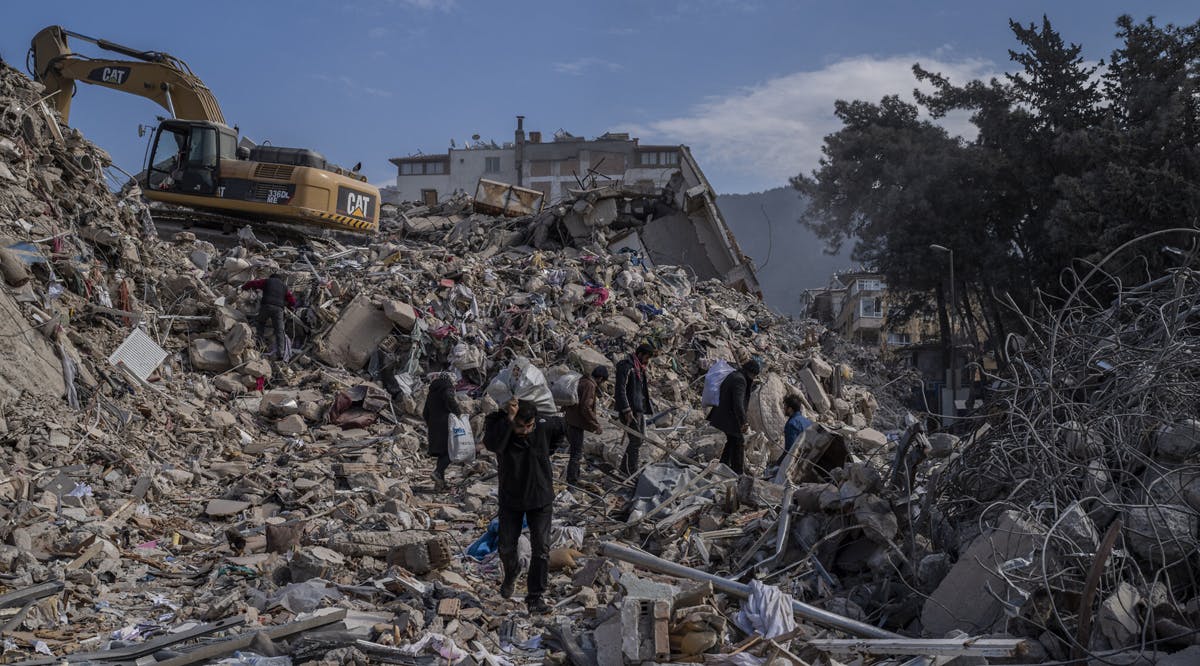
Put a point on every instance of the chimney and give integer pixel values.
(520, 141)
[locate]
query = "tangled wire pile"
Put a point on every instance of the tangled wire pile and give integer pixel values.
(1092, 441)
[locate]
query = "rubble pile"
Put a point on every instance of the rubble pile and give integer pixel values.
(173, 492)
(1088, 464)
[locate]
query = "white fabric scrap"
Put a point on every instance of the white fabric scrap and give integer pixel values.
(768, 612)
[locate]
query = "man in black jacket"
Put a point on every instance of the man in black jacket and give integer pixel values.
(633, 401)
(439, 405)
(729, 416)
(523, 442)
(275, 296)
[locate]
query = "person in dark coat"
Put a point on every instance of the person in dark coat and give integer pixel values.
(729, 416)
(439, 405)
(523, 441)
(582, 416)
(275, 296)
(633, 401)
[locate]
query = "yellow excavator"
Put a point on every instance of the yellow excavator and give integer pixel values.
(194, 160)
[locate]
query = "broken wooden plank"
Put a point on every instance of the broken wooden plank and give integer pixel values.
(142, 649)
(935, 647)
(242, 641)
(25, 595)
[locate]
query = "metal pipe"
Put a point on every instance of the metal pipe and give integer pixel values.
(810, 613)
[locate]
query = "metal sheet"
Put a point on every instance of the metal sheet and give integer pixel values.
(139, 354)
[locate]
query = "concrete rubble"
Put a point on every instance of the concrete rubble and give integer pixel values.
(231, 506)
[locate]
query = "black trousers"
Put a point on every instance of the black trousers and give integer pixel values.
(443, 463)
(574, 452)
(270, 314)
(539, 540)
(633, 450)
(734, 453)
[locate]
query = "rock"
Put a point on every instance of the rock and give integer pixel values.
(290, 426)
(820, 367)
(208, 356)
(1178, 442)
(223, 508)
(259, 367)
(221, 419)
(588, 359)
(931, 570)
(1119, 620)
(238, 339)
(401, 314)
(1161, 534)
(228, 384)
(619, 326)
(870, 439)
(1186, 657)
(200, 259)
(942, 444)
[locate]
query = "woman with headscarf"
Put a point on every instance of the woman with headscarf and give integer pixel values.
(439, 405)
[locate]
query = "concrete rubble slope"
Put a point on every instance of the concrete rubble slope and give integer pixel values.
(189, 499)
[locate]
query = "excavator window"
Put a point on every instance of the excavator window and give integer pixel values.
(185, 160)
(168, 158)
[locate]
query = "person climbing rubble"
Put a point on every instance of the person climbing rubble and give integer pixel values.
(730, 414)
(440, 403)
(633, 401)
(523, 442)
(582, 416)
(275, 296)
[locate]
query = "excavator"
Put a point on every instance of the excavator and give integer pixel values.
(194, 159)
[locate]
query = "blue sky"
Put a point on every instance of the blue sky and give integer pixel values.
(749, 85)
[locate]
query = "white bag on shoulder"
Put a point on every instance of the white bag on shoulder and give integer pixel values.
(461, 443)
(716, 374)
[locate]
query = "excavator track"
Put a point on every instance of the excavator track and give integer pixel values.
(222, 229)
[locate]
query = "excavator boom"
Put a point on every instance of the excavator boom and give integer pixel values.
(194, 160)
(157, 76)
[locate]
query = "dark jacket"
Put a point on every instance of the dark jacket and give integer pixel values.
(730, 414)
(632, 390)
(275, 292)
(439, 405)
(582, 414)
(526, 477)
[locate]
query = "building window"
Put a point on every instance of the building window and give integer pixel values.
(658, 158)
(871, 308)
(422, 168)
(899, 339)
(491, 165)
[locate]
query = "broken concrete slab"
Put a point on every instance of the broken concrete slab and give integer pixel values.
(360, 329)
(965, 598)
(223, 508)
(816, 393)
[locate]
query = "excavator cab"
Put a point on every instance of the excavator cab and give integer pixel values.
(186, 157)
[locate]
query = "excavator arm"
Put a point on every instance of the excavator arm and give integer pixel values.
(157, 76)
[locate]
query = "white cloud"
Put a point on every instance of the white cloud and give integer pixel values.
(581, 65)
(762, 135)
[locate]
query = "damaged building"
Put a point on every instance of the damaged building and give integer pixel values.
(653, 200)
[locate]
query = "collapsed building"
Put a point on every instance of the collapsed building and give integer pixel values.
(656, 197)
(171, 494)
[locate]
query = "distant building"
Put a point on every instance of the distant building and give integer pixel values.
(854, 304)
(566, 162)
